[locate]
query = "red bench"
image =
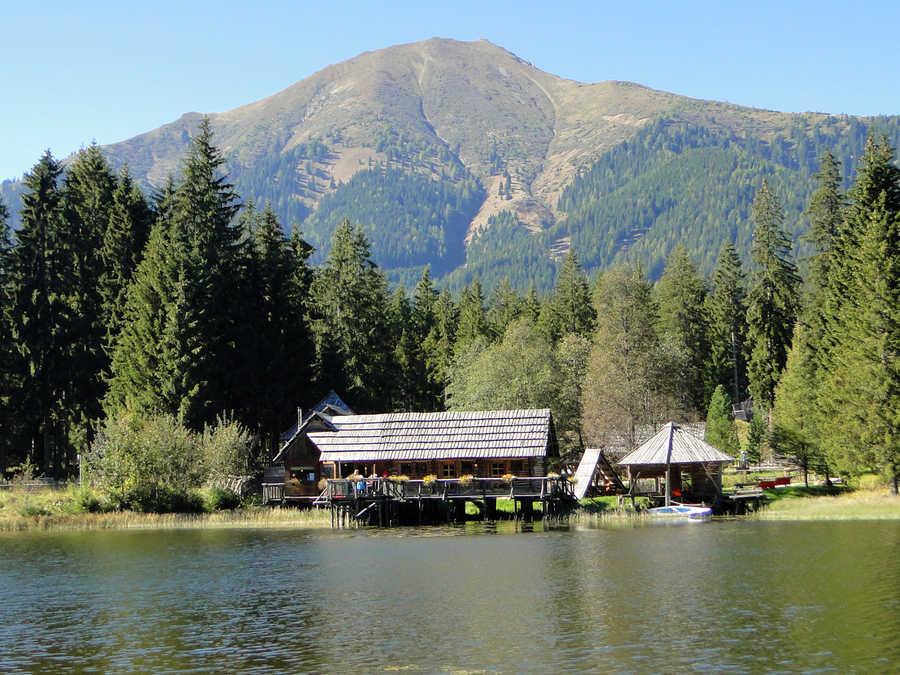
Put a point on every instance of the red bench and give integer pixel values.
(783, 481)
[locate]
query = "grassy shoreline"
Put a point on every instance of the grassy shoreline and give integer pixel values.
(53, 511)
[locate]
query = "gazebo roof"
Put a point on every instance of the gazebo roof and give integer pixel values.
(674, 445)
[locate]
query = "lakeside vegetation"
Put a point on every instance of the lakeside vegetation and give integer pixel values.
(129, 325)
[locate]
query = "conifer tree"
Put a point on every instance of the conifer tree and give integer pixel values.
(772, 302)
(504, 307)
(9, 362)
(41, 279)
(720, 430)
(181, 324)
(795, 419)
(349, 296)
(569, 308)
(680, 294)
(127, 231)
(439, 345)
(428, 391)
(277, 351)
(472, 325)
(87, 203)
(210, 249)
(726, 308)
(858, 398)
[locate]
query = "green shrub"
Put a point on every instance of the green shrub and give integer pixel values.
(83, 500)
(30, 508)
(218, 499)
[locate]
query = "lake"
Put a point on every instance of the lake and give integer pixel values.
(726, 596)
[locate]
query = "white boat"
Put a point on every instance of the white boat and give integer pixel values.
(681, 511)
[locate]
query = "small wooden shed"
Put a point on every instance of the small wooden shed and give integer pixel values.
(688, 466)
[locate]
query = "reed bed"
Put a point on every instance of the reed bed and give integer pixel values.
(855, 505)
(56, 510)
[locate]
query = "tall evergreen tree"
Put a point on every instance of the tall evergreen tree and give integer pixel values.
(860, 394)
(720, 431)
(439, 346)
(473, 324)
(726, 308)
(680, 294)
(349, 296)
(41, 279)
(569, 309)
(794, 431)
(127, 231)
(211, 251)
(277, 351)
(772, 303)
(181, 322)
(504, 307)
(9, 362)
(88, 200)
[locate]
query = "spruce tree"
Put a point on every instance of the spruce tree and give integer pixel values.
(428, 388)
(348, 321)
(726, 309)
(795, 421)
(127, 231)
(211, 254)
(569, 308)
(41, 279)
(472, 326)
(277, 351)
(680, 294)
(88, 200)
(439, 345)
(504, 307)
(720, 430)
(10, 371)
(858, 396)
(772, 302)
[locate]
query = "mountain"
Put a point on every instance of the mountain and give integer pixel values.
(464, 156)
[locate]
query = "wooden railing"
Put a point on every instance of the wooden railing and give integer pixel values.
(539, 487)
(273, 492)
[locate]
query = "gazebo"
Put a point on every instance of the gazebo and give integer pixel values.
(672, 453)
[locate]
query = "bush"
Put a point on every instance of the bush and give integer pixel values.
(148, 464)
(226, 448)
(30, 508)
(83, 500)
(218, 499)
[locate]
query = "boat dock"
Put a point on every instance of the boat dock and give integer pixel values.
(386, 502)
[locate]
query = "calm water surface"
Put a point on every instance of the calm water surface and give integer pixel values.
(742, 597)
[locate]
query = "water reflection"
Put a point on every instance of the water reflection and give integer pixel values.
(741, 596)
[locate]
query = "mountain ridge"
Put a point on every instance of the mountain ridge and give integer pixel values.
(467, 113)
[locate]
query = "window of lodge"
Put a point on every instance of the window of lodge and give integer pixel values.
(498, 469)
(447, 470)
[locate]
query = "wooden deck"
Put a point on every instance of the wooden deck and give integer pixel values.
(386, 501)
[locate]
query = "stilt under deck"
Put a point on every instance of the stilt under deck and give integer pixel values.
(385, 502)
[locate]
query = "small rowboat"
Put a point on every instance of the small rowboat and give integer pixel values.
(681, 511)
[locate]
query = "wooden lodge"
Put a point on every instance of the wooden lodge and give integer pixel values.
(378, 465)
(675, 465)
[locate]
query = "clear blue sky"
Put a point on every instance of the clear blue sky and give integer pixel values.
(77, 72)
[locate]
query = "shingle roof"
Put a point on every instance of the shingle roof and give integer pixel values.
(446, 435)
(331, 404)
(673, 444)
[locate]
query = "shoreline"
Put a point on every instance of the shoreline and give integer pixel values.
(847, 506)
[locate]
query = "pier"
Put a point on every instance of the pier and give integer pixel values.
(386, 502)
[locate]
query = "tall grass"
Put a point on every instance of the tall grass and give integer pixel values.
(801, 504)
(77, 509)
